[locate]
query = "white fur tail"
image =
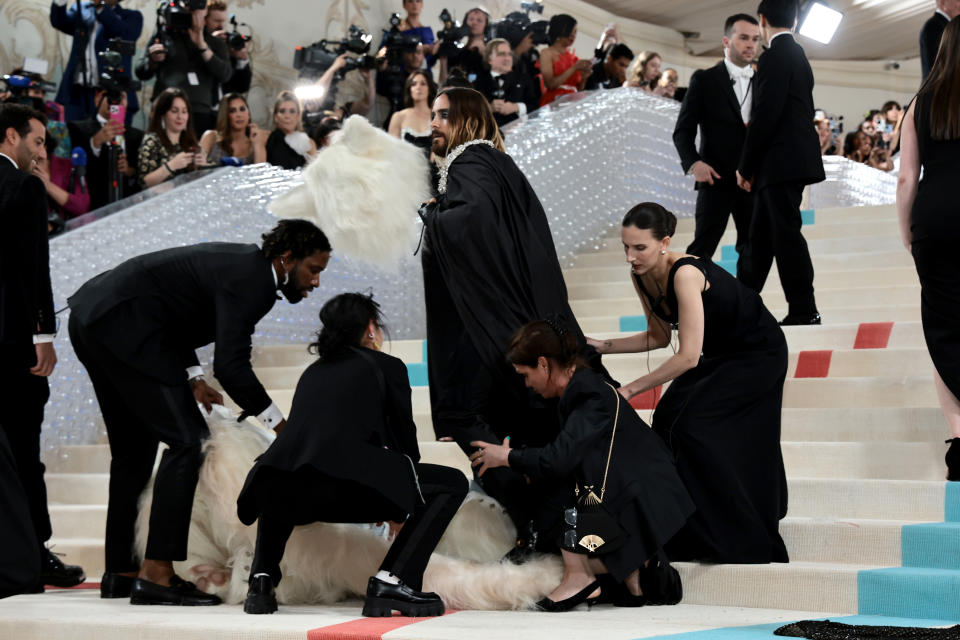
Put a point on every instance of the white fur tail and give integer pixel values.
(363, 191)
(324, 563)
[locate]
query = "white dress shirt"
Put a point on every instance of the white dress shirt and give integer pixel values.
(742, 86)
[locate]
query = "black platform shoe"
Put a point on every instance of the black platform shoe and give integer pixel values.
(180, 592)
(261, 596)
(383, 598)
(546, 604)
(114, 585)
(953, 460)
(57, 574)
(795, 319)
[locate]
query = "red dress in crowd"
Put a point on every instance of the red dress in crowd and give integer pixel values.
(566, 60)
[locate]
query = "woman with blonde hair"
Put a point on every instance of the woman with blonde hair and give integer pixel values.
(930, 138)
(644, 72)
(235, 136)
(288, 146)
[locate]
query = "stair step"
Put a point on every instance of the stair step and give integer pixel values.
(870, 460)
(932, 545)
(79, 520)
(77, 488)
(86, 552)
(843, 540)
(910, 592)
(908, 391)
(910, 500)
(852, 424)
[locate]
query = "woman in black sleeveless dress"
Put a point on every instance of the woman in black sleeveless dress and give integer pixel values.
(721, 414)
(930, 225)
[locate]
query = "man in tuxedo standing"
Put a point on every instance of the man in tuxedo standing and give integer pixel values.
(719, 101)
(932, 31)
(95, 135)
(27, 325)
(781, 155)
(135, 328)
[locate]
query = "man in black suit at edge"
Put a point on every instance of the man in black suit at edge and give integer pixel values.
(781, 155)
(719, 101)
(27, 326)
(932, 31)
(135, 328)
(95, 135)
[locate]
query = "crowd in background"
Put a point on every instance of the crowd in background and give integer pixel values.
(199, 117)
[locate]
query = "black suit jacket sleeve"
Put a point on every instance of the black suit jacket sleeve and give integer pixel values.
(400, 407)
(773, 85)
(588, 421)
(34, 196)
(236, 319)
(930, 36)
(241, 79)
(685, 131)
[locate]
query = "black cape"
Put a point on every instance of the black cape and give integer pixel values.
(361, 440)
(489, 267)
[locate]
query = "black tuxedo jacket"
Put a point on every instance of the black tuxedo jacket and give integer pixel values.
(711, 104)
(81, 132)
(151, 312)
(782, 144)
(930, 36)
(510, 86)
(26, 298)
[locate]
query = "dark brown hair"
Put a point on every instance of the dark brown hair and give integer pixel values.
(224, 133)
(431, 87)
(162, 105)
(547, 338)
(942, 87)
(470, 118)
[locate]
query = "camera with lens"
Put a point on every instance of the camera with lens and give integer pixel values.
(236, 39)
(177, 15)
(114, 79)
(25, 88)
(316, 58)
(451, 35)
(519, 22)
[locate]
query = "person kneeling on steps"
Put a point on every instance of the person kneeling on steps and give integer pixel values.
(348, 453)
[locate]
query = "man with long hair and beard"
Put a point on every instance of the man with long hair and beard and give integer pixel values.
(489, 267)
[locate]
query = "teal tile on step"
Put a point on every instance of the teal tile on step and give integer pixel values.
(951, 502)
(909, 592)
(418, 375)
(729, 252)
(934, 545)
(729, 265)
(807, 216)
(633, 323)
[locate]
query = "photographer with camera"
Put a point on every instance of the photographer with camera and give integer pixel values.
(93, 25)
(111, 147)
(216, 25)
(170, 147)
(411, 26)
(183, 55)
(401, 55)
(470, 56)
(523, 35)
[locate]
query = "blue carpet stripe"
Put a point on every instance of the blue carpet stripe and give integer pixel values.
(909, 592)
(729, 265)
(633, 323)
(931, 545)
(951, 506)
(807, 216)
(728, 252)
(765, 631)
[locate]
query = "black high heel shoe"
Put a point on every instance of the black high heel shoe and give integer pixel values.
(546, 604)
(953, 459)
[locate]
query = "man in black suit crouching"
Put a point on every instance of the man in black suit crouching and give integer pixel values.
(781, 155)
(27, 356)
(135, 329)
(719, 101)
(96, 135)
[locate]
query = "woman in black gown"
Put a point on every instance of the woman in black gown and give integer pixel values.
(929, 225)
(721, 414)
(643, 491)
(348, 453)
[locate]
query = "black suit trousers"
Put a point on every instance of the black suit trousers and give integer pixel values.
(714, 205)
(23, 396)
(443, 490)
(775, 235)
(139, 413)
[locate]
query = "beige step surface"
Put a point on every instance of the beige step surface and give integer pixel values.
(856, 424)
(843, 540)
(873, 459)
(920, 500)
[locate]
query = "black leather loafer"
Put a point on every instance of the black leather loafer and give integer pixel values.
(796, 319)
(180, 592)
(261, 596)
(57, 574)
(114, 585)
(384, 598)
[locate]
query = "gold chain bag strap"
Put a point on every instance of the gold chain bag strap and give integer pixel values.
(591, 529)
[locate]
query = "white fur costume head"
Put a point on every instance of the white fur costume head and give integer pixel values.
(363, 191)
(324, 563)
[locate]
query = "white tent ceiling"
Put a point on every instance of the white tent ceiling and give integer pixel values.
(870, 30)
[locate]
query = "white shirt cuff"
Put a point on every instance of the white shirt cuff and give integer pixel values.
(242, 64)
(521, 109)
(94, 149)
(60, 3)
(194, 372)
(41, 338)
(271, 416)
